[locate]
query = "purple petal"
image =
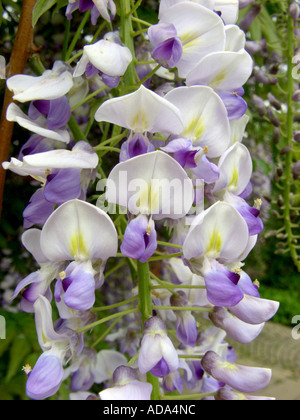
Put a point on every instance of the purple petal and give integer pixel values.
(45, 378)
(35, 144)
(110, 81)
(80, 290)
(169, 52)
(85, 5)
(38, 210)
(38, 107)
(186, 329)
(206, 170)
(242, 378)
(250, 214)
(161, 369)
(140, 239)
(59, 113)
(161, 32)
(91, 71)
(221, 291)
(247, 286)
(63, 186)
(236, 106)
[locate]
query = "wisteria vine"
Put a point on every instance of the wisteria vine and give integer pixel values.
(141, 238)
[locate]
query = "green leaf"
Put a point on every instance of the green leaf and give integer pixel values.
(40, 8)
(19, 349)
(1, 12)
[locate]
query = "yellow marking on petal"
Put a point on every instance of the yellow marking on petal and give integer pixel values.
(228, 366)
(194, 129)
(215, 243)
(140, 122)
(218, 79)
(149, 201)
(77, 246)
(234, 178)
(189, 39)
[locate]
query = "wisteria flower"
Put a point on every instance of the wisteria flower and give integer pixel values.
(52, 84)
(107, 57)
(71, 234)
(143, 112)
(199, 30)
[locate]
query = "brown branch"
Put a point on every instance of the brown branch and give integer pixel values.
(22, 48)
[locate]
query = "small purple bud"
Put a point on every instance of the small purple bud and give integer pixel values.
(296, 96)
(260, 105)
(276, 135)
(273, 118)
(294, 11)
(245, 3)
(297, 136)
(274, 101)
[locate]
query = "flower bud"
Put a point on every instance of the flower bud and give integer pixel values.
(294, 11)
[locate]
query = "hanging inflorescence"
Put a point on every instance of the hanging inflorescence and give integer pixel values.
(273, 41)
(141, 235)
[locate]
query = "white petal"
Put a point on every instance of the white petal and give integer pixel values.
(38, 126)
(24, 169)
(31, 240)
(150, 352)
(205, 117)
(169, 354)
(133, 391)
(107, 362)
(235, 38)
(79, 231)
(201, 32)
(238, 128)
(63, 159)
(44, 324)
(254, 310)
(141, 111)
(153, 183)
(165, 4)
(225, 70)
(51, 85)
(235, 168)
(81, 65)
(219, 232)
(229, 9)
(109, 57)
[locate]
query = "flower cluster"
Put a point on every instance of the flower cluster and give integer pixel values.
(181, 183)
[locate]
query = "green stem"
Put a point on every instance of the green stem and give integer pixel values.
(126, 35)
(77, 35)
(76, 130)
(115, 305)
(66, 40)
(87, 98)
(161, 243)
(152, 72)
(146, 308)
(290, 135)
(167, 285)
(166, 257)
(182, 308)
(108, 318)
